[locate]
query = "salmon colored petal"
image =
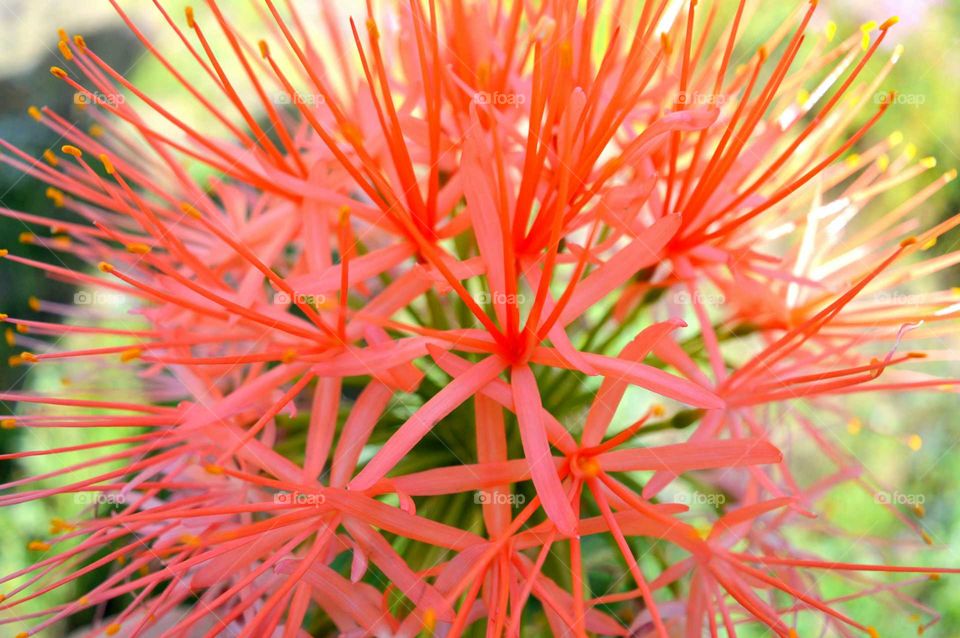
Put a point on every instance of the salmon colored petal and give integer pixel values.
(536, 449)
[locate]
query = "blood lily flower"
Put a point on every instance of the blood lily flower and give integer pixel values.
(435, 308)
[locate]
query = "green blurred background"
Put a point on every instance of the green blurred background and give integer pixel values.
(929, 68)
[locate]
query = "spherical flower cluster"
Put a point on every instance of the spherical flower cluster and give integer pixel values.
(472, 317)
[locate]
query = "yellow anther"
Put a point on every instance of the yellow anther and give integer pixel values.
(873, 632)
(915, 442)
(57, 72)
(33, 303)
(14, 360)
(39, 546)
(190, 539)
(212, 468)
(830, 31)
(29, 357)
(96, 130)
(65, 50)
(264, 48)
(852, 160)
(138, 249)
(105, 267)
(8, 424)
(289, 356)
(188, 12)
(58, 525)
(55, 195)
(910, 151)
(62, 33)
(107, 164)
(35, 113)
(929, 162)
(131, 354)
(429, 620)
(112, 629)
(80, 42)
(70, 149)
(27, 238)
(372, 29)
(919, 510)
(896, 138)
(950, 175)
(657, 409)
(926, 537)
(22, 329)
(190, 210)
(883, 162)
(665, 43)
(889, 23)
(11, 337)
(909, 241)
(51, 157)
